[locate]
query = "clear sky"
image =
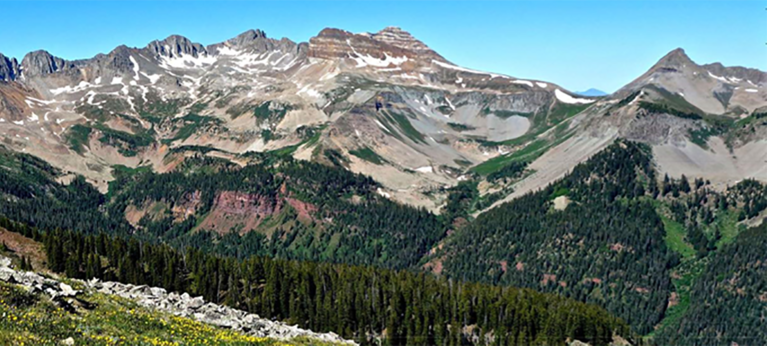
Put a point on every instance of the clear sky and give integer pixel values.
(577, 44)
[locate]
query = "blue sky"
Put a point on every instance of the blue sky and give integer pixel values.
(577, 44)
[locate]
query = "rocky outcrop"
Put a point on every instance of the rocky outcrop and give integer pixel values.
(397, 37)
(335, 43)
(34, 282)
(40, 63)
(213, 314)
(9, 68)
(157, 298)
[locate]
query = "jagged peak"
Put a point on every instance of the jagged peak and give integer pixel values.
(175, 46)
(254, 40)
(9, 58)
(395, 36)
(676, 58)
(119, 50)
(9, 68)
(247, 36)
(41, 62)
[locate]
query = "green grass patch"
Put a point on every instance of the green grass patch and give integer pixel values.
(265, 112)
(368, 154)
(315, 135)
(727, 224)
(562, 111)
(672, 102)
(401, 121)
(125, 170)
(77, 137)
(190, 123)
(460, 127)
(685, 277)
(126, 143)
(675, 237)
(504, 113)
(560, 191)
(700, 136)
(527, 154)
(157, 109)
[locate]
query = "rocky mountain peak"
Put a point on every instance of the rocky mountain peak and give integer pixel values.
(389, 42)
(41, 62)
(674, 60)
(9, 68)
(247, 37)
(397, 37)
(254, 40)
(175, 46)
(119, 59)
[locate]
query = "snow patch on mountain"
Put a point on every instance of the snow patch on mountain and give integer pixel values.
(566, 98)
(725, 80)
(135, 67)
(425, 169)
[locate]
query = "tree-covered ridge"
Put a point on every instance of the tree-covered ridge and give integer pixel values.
(702, 222)
(606, 246)
(729, 298)
(29, 192)
(308, 211)
(609, 233)
(361, 303)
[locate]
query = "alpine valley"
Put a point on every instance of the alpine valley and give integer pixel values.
(363, 184)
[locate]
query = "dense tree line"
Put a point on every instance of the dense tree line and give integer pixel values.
(459, 201)
(700, 209)
(30, 193)
(360, 303)
(606, 247)
(352, 223)
(729, 299)
(513, 170)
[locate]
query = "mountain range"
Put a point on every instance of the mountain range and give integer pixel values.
(417, 122)
(373, 149)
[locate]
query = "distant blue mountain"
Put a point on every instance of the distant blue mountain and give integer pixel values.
(592, 92)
